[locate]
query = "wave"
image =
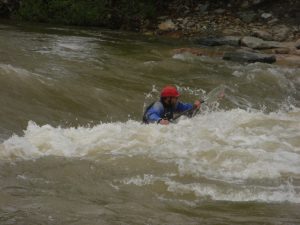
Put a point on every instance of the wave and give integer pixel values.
(234, 155)
(235, 144)
(284, 192)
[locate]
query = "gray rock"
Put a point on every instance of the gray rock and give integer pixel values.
(280, 32)
(262, 34)
(257, 43)
(249, 57)
(266, 15)
(227, 40)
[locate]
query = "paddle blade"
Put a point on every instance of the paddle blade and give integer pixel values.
(216, 94)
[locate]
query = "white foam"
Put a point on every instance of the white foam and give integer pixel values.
(19, 72)
(228, 146)
(281, 193)
(8, 69)
(71, 46)
(147, 179)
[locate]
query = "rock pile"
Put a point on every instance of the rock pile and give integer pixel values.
(258, 33)
(247, 49)
(237, 18)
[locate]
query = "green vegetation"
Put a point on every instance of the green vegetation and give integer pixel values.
(108, 13)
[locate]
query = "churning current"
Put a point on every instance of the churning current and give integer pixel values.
(73, 149)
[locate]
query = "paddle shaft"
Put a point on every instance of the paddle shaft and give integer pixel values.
(217, 92)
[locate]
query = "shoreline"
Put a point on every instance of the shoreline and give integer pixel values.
(257, 30)
(268, 33)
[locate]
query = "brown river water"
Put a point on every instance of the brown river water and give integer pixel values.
(73, 149)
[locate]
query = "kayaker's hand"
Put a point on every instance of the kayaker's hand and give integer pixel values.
(164, 122)
(197, 104)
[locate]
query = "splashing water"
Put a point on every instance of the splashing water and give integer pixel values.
(233, 148)
(236, 162)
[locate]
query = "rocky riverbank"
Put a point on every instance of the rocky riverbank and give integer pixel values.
(259, 31)
(245, 49)
(276, 21)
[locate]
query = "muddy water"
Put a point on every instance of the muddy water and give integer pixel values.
(73, 150)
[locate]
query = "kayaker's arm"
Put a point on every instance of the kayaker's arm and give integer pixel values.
(189, 108)
(181, 107)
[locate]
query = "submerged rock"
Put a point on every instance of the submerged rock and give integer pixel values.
(249, 57)
(227, 40)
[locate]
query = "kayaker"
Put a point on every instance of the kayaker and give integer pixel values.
(162, 111)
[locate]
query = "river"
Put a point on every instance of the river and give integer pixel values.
(73, 149)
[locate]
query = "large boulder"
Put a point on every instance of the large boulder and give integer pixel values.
(257, 43)
(249, 57)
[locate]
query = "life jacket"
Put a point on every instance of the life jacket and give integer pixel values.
(145, 120)
(168, 112)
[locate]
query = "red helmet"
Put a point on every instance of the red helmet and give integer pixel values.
(169, 91)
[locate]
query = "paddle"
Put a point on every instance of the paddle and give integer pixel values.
(214, 95)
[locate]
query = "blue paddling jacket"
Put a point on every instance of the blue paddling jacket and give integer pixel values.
(158, 111)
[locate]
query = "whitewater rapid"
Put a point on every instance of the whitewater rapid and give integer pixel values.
(242, 155)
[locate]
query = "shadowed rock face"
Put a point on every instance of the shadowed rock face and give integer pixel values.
(249, 57)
